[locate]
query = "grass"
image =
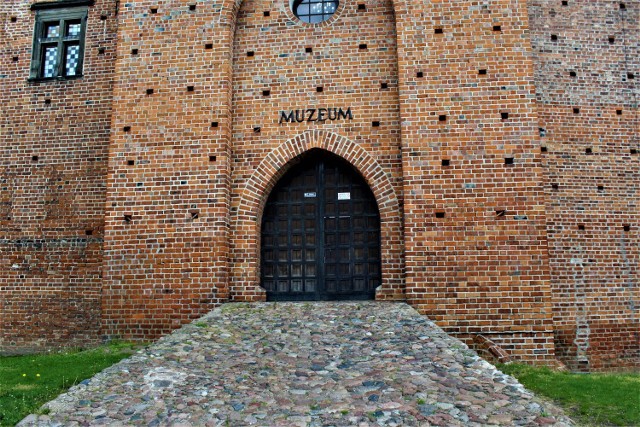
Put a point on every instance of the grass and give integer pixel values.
(27, 382)
(590, 399)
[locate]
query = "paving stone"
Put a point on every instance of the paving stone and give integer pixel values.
(306, 364)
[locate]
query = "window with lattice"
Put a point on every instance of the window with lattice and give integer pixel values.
(58, 40)
(314, 11)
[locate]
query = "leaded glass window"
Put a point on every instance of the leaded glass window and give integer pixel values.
(314, 11)
(58, 41)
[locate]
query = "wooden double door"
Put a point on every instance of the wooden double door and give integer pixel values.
(320, 234)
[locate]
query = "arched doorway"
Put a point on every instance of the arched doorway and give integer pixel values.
(320, 233)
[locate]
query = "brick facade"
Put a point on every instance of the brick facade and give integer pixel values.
(54, 138)
(587, 93)
(504, 162)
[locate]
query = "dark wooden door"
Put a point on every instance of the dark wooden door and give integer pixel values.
(320, 234)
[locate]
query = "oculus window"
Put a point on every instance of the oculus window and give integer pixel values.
(314, 11)
(58, 40)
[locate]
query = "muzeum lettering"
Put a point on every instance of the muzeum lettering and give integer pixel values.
(315, 115)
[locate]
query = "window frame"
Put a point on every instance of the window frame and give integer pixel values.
(306, 17)
(61, 12)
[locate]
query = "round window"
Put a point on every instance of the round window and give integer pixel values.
(314, 11)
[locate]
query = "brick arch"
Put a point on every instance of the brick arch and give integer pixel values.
(245, 283)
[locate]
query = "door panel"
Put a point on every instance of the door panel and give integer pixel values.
(321, 234)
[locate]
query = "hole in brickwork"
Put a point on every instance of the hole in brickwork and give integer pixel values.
(194, 213)
(192, 7)
(375, 124)
(612, 40)
(214, 124)
(15, 59)
(101, 51)
(543, 149)
(508, 160)
(154, 10)
(633, 151)
(190, 88)
(631, 76)
(319, 89)
(501, 212)
(131, 162)
(438, 30)
(626, 227)
(384, 85)
(88, 232)
(134, 51)
(440, 214)
(554, 37)
(588, 150)
(555, 186)
(600, 187)
(14, 19)
(308, 49)
(504, 116)
(257, 129)
(442, 118)
(581, 227)
(619, 112)
(266, 92)
(126, 128)
(251, 53)
(35, 158)
(419, 74)
(362, 46)
(103, 17)
(47, 101)
(565, 3)
(576, 110)
(446, 162)
(127, 217)
(266, 13)
(362, 6)
(572, 73)
(149, 91)
(623, 6)
(542, 132)
(482, 71)
(212, 158)
(208, 46)
(497, 28)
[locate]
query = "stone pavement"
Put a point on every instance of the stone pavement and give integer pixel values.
(303, 364)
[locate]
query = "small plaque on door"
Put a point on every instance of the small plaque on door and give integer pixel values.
(344, 196)
(309, 194)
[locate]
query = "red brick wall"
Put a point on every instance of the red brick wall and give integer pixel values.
(169, 170)
(352, 55)
(483, 267)
(187, 175)
(52, 205)
(592, 175)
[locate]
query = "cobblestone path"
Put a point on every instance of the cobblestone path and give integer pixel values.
(303, 364)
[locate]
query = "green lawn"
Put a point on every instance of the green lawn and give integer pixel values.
(26, 382)
(590, 399)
